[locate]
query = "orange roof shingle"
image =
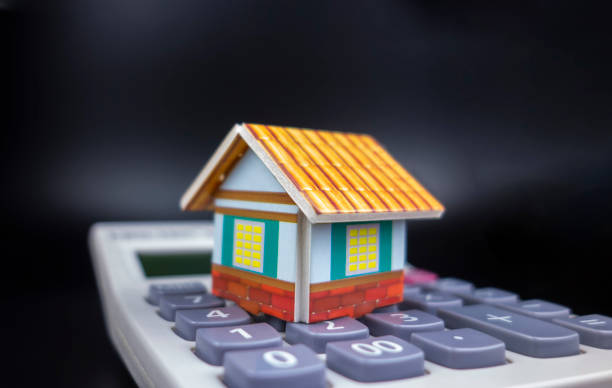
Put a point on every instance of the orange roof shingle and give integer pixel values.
(337, 173)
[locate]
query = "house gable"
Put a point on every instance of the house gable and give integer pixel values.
(250, 174)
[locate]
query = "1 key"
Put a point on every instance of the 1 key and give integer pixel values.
(213, 342)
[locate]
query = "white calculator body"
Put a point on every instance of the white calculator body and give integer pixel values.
(128, 257)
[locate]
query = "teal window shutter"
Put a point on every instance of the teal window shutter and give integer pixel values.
(270, 258)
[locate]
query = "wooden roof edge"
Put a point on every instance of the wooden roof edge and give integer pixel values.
(192, 191)
(377, 216)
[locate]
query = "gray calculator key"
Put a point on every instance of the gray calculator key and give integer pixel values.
(169, 304)
(489, 295)
(187, 321)
(451, 285)
(537, 308)
(317, 335)
(411, 290)
(213, 342)
(594, 330)
(402, 324)
(294, 366)
(522, 334)
(157, 290)
(461, 348)
(392, 308)
(431, 301)
(375, 359)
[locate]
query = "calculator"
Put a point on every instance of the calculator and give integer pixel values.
(170, 331)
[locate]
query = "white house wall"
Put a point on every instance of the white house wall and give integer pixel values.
(250, 174)
(398, 244)
(287, 251)
(320, 253)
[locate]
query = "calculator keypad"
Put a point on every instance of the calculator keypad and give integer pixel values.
(375, 359)
(317, 335)
(169, 304)
(213, 342)
(402, 323)
(390, 343)
(188, 321)
(461, 348)
(294, 366)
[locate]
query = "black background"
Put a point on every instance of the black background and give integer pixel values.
(503, 112)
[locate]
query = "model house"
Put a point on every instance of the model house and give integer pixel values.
(309, 225)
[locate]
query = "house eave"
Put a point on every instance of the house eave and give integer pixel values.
(358, 217)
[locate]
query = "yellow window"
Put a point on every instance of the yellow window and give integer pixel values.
(239, 235)
(257, 229)
(239, 251)
(372, 240)
(372, 231)
(372, 248)
(362, 249)
(372, 264)
(256, 264)
(362, 265)
(353, 233)
(248, 228)
(257, 247)
(247, 245)
(247, 253)
(363, 232)
(247, 236)
(372, 256)
(256, 255)
(238, 259)
(240, 227)
(257, 238)
(352, 267)
(352, 251)
(362, 240)
(352, 259)
(353, 241)
(239, 244)
(362, 257)
(247, 261)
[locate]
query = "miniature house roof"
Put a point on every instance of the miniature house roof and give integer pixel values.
(331, 176)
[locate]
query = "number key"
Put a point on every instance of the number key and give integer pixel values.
(430, 301)
(402, 324)
(169, 304)
(187, 321)
(317, 335)
(156, 291)
(213, 342)
(375, 359)
(291, 366)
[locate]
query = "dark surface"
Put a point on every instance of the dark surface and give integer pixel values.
(113, 107)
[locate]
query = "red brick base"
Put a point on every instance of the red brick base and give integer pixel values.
(254, 293)
(355, 297)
